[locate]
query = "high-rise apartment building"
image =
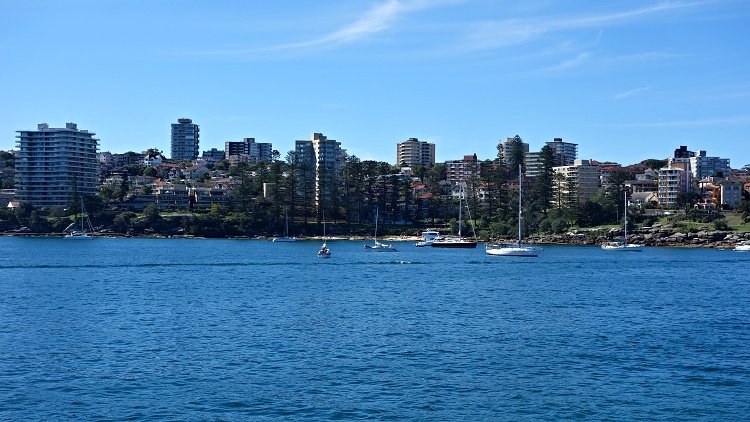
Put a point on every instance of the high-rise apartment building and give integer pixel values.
(413, 152)
(565, 152)
(504, 150)
(584, 175)
(673, 180)
(702, 166)
(462, 170)
(184, 143)
(321, 160)
(54, 165)
(255, 152)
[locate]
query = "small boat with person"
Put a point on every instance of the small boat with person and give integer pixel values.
(324, 252)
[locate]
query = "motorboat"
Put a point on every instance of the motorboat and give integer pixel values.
(429, 236)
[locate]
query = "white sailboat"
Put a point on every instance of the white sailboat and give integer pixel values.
(324, 252)
(379, 247)
(623, 245)
(518, 248)
(456, 242)
(286, 237)
(86, 231)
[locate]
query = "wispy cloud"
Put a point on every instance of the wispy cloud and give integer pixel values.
(379, 18)
(503, 33)
(641, 57)
(567, 64)
(631, 92)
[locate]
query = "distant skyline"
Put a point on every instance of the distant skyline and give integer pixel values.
(625, 80)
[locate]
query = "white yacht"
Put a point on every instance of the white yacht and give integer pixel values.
(429, 236)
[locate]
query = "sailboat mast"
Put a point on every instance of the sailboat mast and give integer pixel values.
(625, 222)
(520, 198)
(460, 206)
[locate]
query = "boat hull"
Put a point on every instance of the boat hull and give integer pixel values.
(623, 248)
(462, 244)
(522, 251)
(284, 239)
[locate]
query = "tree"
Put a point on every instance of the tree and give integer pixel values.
(616, 191)
(544, 186)
(654, 164)
(687, 199)
(517, 154)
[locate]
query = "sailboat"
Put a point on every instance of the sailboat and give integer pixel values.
(518, 248)
(86, 231)
(456, 242)
(379, 247)
(286, 237)
(324, 252)
(623, 245)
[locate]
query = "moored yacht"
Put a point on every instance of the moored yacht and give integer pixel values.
(429, 236)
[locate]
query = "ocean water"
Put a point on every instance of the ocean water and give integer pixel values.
(198, 329)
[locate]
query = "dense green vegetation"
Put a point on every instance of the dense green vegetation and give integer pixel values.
(348, 204)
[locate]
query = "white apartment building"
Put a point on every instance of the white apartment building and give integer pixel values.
(504, 150)
(673, 180)
(584, 174)
(55, 164)
(323, 158)
(413, 152)
(702, 166)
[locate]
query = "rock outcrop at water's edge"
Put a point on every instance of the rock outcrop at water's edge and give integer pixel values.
(652, 237)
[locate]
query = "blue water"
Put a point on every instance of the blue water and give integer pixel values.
(193, 329)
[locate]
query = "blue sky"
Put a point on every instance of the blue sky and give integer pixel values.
(625, 80)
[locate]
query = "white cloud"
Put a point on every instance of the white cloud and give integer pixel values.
(631, 92)
(509, 32)
(567, 64)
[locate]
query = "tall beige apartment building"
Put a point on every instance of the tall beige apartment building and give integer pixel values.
(584, 174)
(413, 152)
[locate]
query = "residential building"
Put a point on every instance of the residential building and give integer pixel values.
(673, 180)
(638, 186)
(321, 160)
(731, 193)
(413, 152)
(682, 152)
(585, 176)
(504, 150)
(461, 170)
(185, 138)
(534, 164)
(702, 166)
(565, 153)
(53, 165)
(255, 152)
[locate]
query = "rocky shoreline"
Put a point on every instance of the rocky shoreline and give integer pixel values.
(653, 237)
